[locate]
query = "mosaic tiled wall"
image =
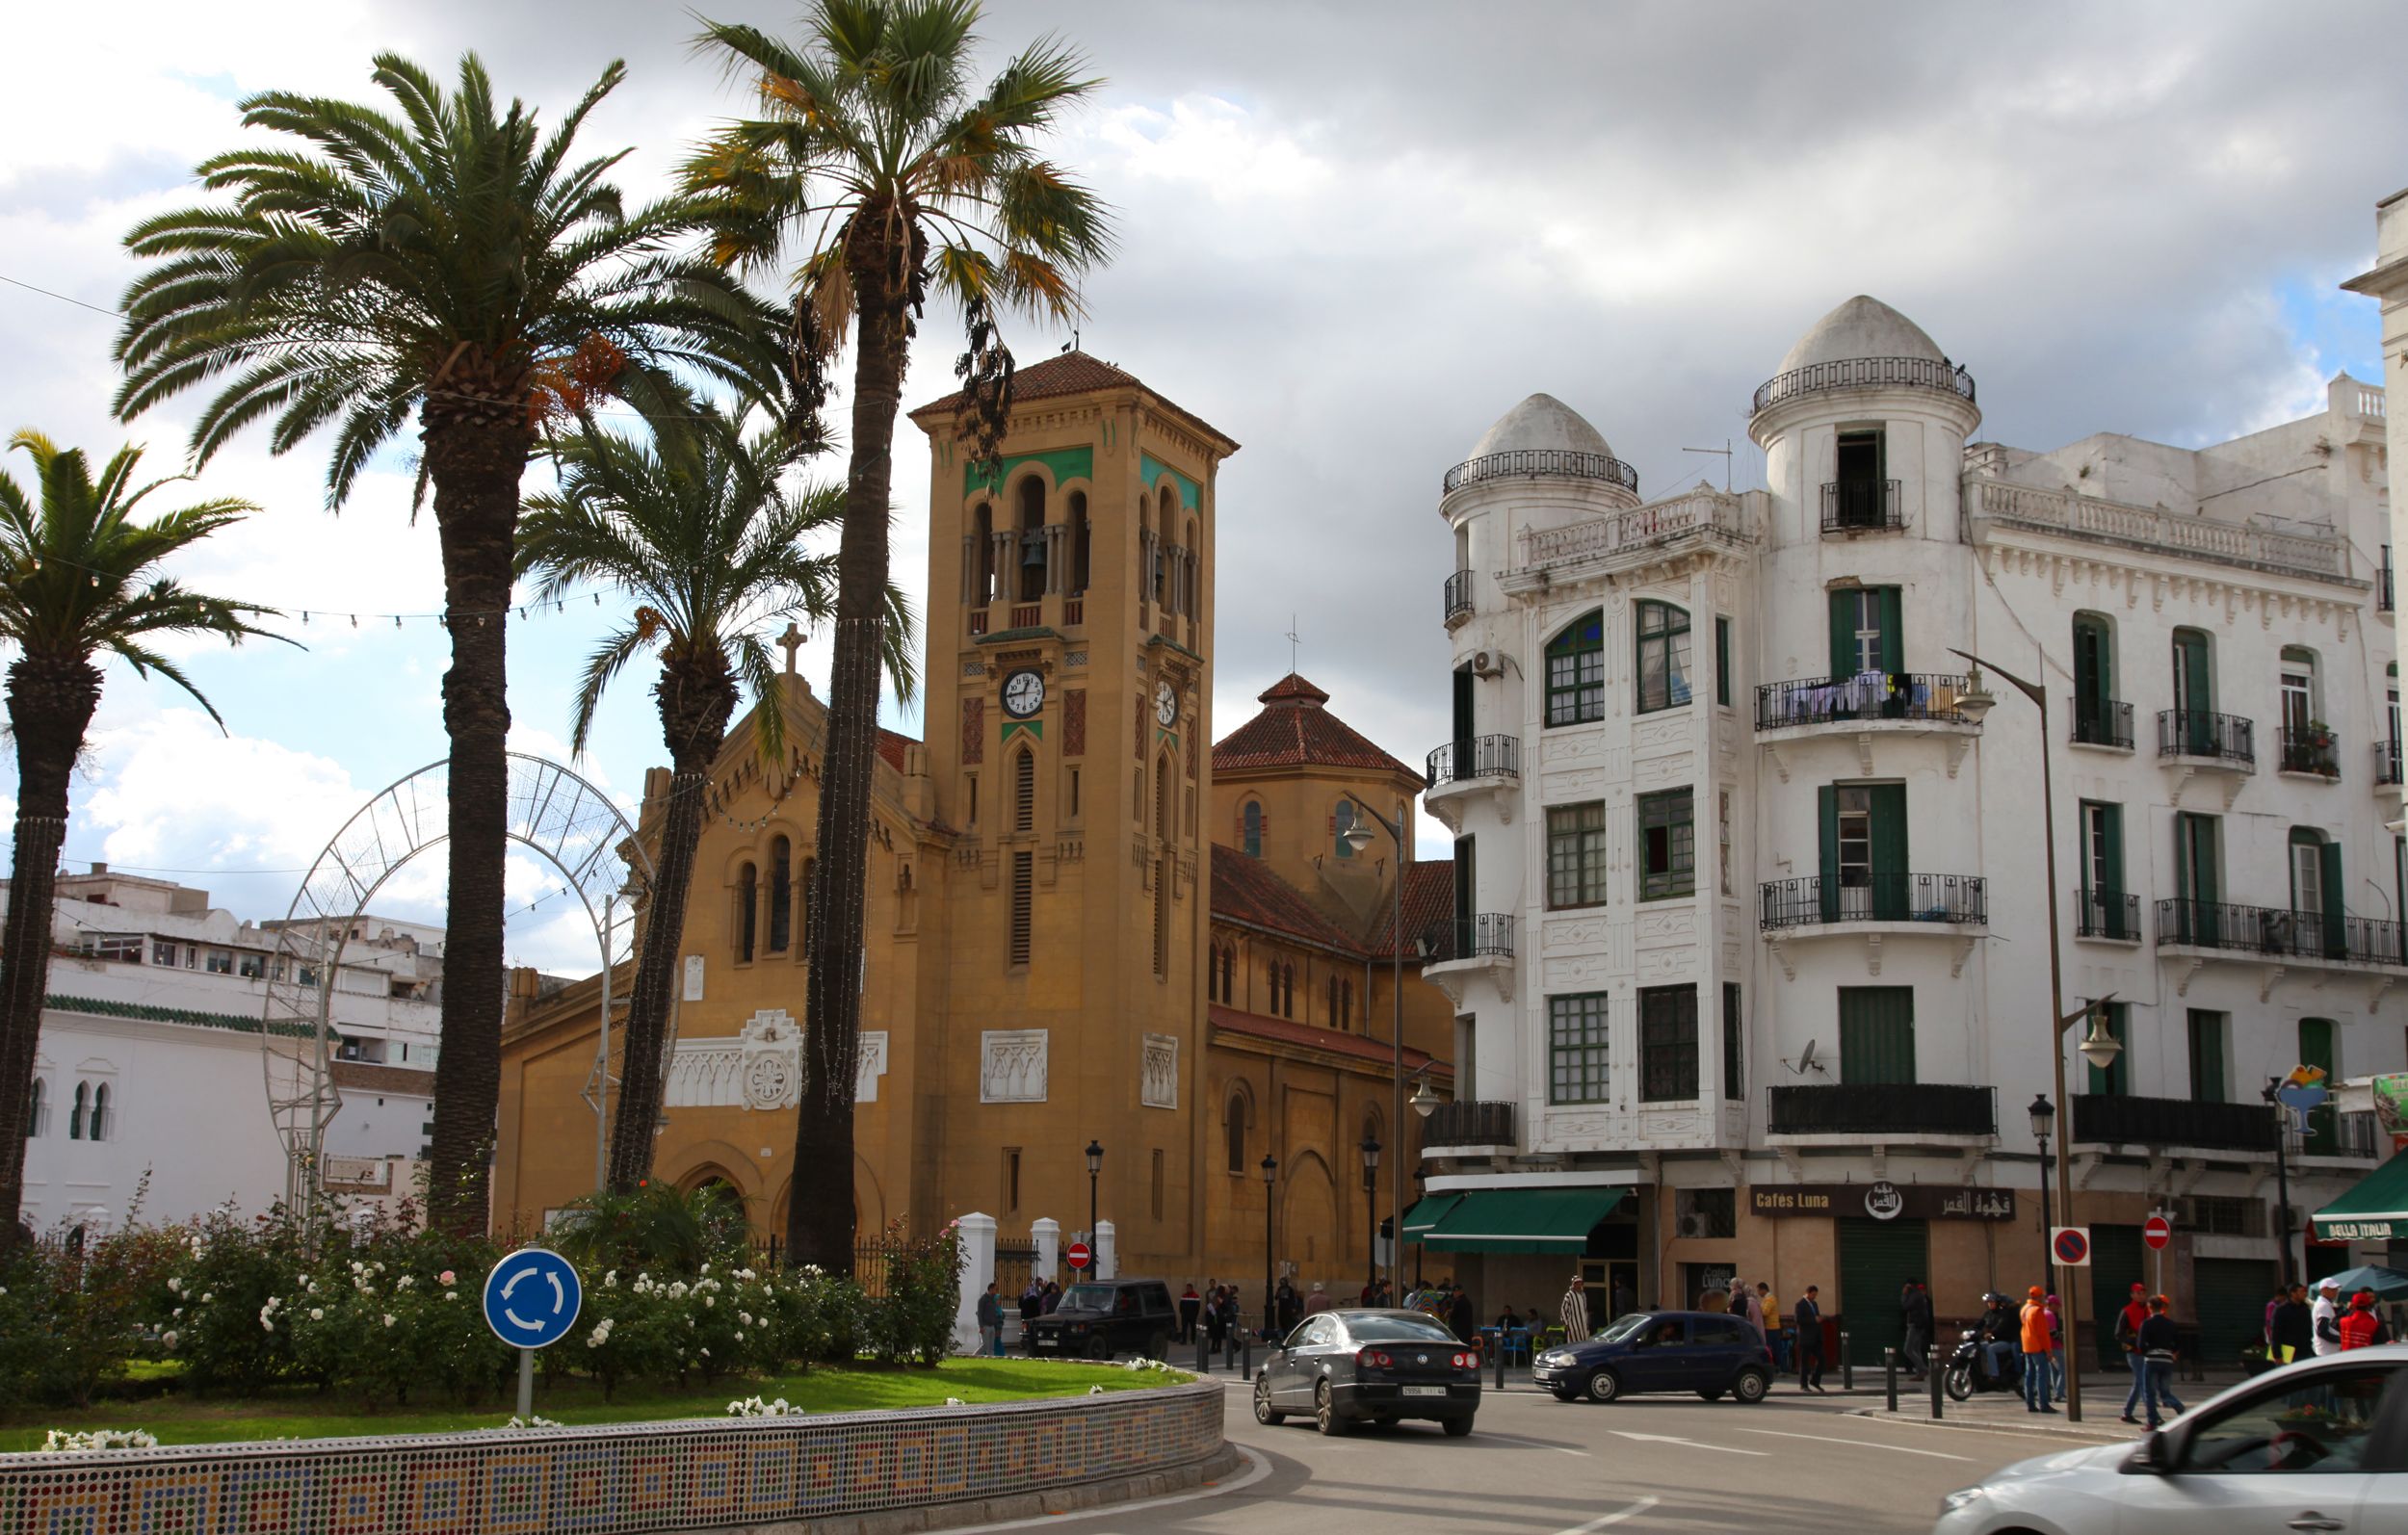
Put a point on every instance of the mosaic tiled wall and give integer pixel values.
(628, 1478)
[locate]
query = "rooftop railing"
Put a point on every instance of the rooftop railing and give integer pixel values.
(2297, 548)
(1866, 372)
(1532, 464)
(1708, 512)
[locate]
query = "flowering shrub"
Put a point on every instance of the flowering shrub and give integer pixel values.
(754, 1407)
(913, 1322)
(57, 1443)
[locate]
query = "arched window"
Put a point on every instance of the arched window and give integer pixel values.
(1576, 671)
(2316, 895)
(99, 1114)
(1342, 822)
(1236, 1126)
(983, 556)
(1663, 657)
(1190, 572)
(1251, 820)
(2094, 683)
(1287, 991)
(1024, 791)
(1333, 1001)
(1082, 543)
(75, 1111)
(1229, 974)
(1346, 1004)
(2307, 741)
(747, 912)
(35, 1110)
(1028, 549)
(781, 894)
(1162, 556)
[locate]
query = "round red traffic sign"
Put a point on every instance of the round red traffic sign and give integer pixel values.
(2073, 1248)
(2157, 1233)
(1077, 1255)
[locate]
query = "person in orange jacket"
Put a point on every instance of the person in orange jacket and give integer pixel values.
(2038, 1337)
(2361, 1328)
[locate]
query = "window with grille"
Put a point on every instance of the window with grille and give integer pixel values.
(1158, 1181)
(1667, 1044)
(1708, 1212)
(1024, 791)
(1577, 1049)
(1237, 1132)
(1576, 855)
(1576, 672)
(781, 894)
(1722, 661)
(1663, 653)
(1734, 1044)
(1667, 840)
(1252, 832)
(1022, 893)
(1011, 1179)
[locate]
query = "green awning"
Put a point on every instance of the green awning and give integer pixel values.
(1427, 1214)
(1521, 1221)
(2376, 1209)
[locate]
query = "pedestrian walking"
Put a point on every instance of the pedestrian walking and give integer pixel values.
(990, 1321)
(1190, 1303)
(2036, 1339)
(1775, 1339)
(1462, 1319)
(2292, 1333)
(1232, 1316)
(2056, 1351)
(1216, 1322)
(2127, 1324)
(1624, 1301)
(1318, 1301)
(1289, 1306)
(2159, 1341)
(1052, 1295)
(1809, 1314)
(1915, 1311)
(2327, 1316)
(1575, 1312)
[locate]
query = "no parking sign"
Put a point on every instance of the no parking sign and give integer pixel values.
(2071, 1245)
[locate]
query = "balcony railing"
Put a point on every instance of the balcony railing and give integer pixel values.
(2198, 732)
(2353, 1134)
(2310, 751)
(1865, 372)
(2112, 1119)
(2383, 599)
(2387, 762)
(1959, 899)
(1458, 595)
(1486, 934)
(1870, 695)
(1890, 1110)
(1480, 757)
(2102, 722)
(1700, 514)
(1530, 464)
(1861, 505)
(2310, 549)
(2106, 913)
(2280, 932)
(1471, 1123)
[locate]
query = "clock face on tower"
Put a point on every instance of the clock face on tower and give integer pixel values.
(1166, 703)
(1024, 692)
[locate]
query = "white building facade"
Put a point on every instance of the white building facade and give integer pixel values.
(148, 1075)
(1752, 941)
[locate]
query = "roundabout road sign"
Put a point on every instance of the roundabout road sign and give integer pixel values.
(532, 1299)
(2071, 1246)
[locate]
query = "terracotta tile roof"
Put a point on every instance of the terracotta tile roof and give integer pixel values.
(1246, 890)
(890, 747)
(1296, 729)
(1428, 911)
(372, 1077)
(1073, 373)
(1288, 1032)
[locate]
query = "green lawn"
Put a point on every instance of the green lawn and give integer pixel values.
(301, 1413)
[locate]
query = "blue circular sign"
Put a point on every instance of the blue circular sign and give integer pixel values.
(532, 1299)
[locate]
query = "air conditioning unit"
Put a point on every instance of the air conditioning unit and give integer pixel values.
(1488, 662)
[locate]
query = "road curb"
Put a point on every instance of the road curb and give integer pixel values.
(1055, 1502)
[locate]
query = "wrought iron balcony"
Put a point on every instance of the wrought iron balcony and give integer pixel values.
(2106, 913)
(1865, 372)
(2387, 762)
(2102, 722)
(1487, 934)
(1868, 697)
(1861, 505)
(1531, 463)
(1469, 1124)
(1885, 1110)
(1480, 757)
(2383, 598)
(1953, 899)
(2199, 733)
(2280, 932)
(2111, 1119)
(1458, 596)
(2311, 749)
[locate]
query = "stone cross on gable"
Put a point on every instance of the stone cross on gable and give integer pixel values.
(789, 642)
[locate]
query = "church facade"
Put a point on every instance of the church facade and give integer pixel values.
(1059, 954)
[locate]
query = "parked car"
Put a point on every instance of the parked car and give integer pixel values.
(2317, 1446)
(1374, 1367)
(1704, 1352)
(1098, 1318)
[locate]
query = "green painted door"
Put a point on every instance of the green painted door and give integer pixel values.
(1877, 1034)
(2207, 1058)
(1876, 1260)
(2118, 1259)
(1890, 898)
(2094, 683)
(2195, 694)
(2195, 878)
(2103, 865)
(2231, 1293)
(2316, 1049)
(2336, 921)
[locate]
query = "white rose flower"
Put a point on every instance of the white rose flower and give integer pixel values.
(389, 1318)
(175, 1286)
(317, 1313)
(207, 1296)
(451, 1295)
(168, 1338)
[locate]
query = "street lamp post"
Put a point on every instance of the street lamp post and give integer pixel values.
(1271, 1175)
(1371, 1206)
(2282, 1172)
(1094, 1169)
(1358, 838)
(2043, 1120)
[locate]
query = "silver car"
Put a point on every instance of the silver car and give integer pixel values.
(2321, 1446)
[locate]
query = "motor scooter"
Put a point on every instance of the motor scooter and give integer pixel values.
(1981, 1366)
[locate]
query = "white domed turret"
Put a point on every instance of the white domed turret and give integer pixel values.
(1861, 328)
(1544, 439)
(1542, 423)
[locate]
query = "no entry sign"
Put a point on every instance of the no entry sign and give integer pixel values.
(1078, 1255)
(2071, 1244)
(2157, 1233)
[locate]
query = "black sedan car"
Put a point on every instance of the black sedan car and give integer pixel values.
(1377, 1366)
(1705, 1352)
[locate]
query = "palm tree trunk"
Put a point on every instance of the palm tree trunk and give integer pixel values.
(696, 700)
(51, 699)
(475, 463)
(820, 1214)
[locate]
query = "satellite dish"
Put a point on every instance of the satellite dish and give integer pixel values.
(1806, 1058)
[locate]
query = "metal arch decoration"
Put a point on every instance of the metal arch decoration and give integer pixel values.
(552, 811)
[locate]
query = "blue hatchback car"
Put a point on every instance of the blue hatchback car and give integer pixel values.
(1705, 1352)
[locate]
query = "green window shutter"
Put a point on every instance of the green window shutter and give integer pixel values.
(2336, 915)
(2092, 681)
(2111, 833)
(2207, 1056)
(1892, 630)
(1877, 1034)
(1843, 633)
(1722, 661)
(1827, 808)
(2111, 1081)
(1890, 880)
(2197, 697)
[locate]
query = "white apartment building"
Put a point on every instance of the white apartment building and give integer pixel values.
(149, 1061)
(1752, 950)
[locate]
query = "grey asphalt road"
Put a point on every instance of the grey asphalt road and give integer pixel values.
(1539, 1466)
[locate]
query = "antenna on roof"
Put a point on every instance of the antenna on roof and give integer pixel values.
(1725, 452)
(1292, 645)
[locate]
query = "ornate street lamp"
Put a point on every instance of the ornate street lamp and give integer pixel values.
(1270, 1176)
(1371, 1204)
(2044, 1119)
(1094, 1169)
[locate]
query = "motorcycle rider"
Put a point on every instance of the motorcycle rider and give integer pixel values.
(1996, 1334)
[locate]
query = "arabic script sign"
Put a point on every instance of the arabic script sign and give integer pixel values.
(1882, 1201)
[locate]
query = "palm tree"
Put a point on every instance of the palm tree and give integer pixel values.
(875, 159)
(698, 528)
(76, 582)
(454, 262)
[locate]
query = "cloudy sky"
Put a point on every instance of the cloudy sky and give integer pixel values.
(1352, 235)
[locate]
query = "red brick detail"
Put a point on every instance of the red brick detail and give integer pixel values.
(973, 732)
(1074, 722)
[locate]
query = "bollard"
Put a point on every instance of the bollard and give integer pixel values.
(1246, 1360)
(1501, 1354)
(1936, 1375)
(1847, 1365)
(1203, 1355)
(1889, 1368)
